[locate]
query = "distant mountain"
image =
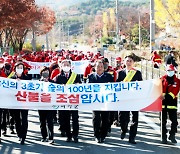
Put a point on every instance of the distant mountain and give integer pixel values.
(66, 3)
(92, 7)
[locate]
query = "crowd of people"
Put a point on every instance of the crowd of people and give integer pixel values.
(98, 71)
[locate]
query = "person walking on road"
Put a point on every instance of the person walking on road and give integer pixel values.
(20, 115)
(126, 75)
(68, 77)
(100, 118)
(171, 86)
(46, 116)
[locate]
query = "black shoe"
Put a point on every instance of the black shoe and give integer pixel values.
(117, 124)
(51, 142)
(123, 135)
(22, 142)
(12, 132)
(75, 140)
(164, 141)
(98, 140)
(4, 132)
(172, 138)
(63, 133)
(109, 130)
(69, 139)
(102, 140)
(132, 141)
(19, 139)
(0, 140)
(44, 140)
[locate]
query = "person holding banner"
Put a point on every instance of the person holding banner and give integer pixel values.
(20, 115)
(46, 116)
(108, 69)
(68, 77)
(100, 118)
(7, 115)
(171, 86)
(127, 75)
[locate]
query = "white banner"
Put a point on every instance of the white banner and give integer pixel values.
(77, 66)
(36, 66)
(122, 96)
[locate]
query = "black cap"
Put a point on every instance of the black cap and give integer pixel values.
(105, 60)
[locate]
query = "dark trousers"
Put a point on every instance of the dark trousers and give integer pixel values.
(46, 120)
(21, 122)
(174, 123)
(65, 117)
(61, 120)
(0, 120)
(124, 120)
(7, 117)
(100, 123)
(112, 117)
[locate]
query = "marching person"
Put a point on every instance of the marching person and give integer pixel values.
(100, 118)
(111, 71)
(126, 75)
(7, 115)
(68, 77)
(156, 59)
(170, 59)
(46, 116)
(170, 85)
(20, 115)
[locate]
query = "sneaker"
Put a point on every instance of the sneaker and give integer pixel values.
(172, 138)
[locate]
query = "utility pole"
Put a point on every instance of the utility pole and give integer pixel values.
(152, 26)
(139, 30)
(117, 25)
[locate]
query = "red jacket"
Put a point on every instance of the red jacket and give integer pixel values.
(156, 58)
(54, 73)
(170, 90)
(87, 71)
(2, 73)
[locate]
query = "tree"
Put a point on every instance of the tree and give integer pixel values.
(167, 12)
(19, 17)
(105, 24)
(144, 35)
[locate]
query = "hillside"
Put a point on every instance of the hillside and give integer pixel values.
(92, 7)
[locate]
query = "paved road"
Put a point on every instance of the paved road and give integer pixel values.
(148, 139)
